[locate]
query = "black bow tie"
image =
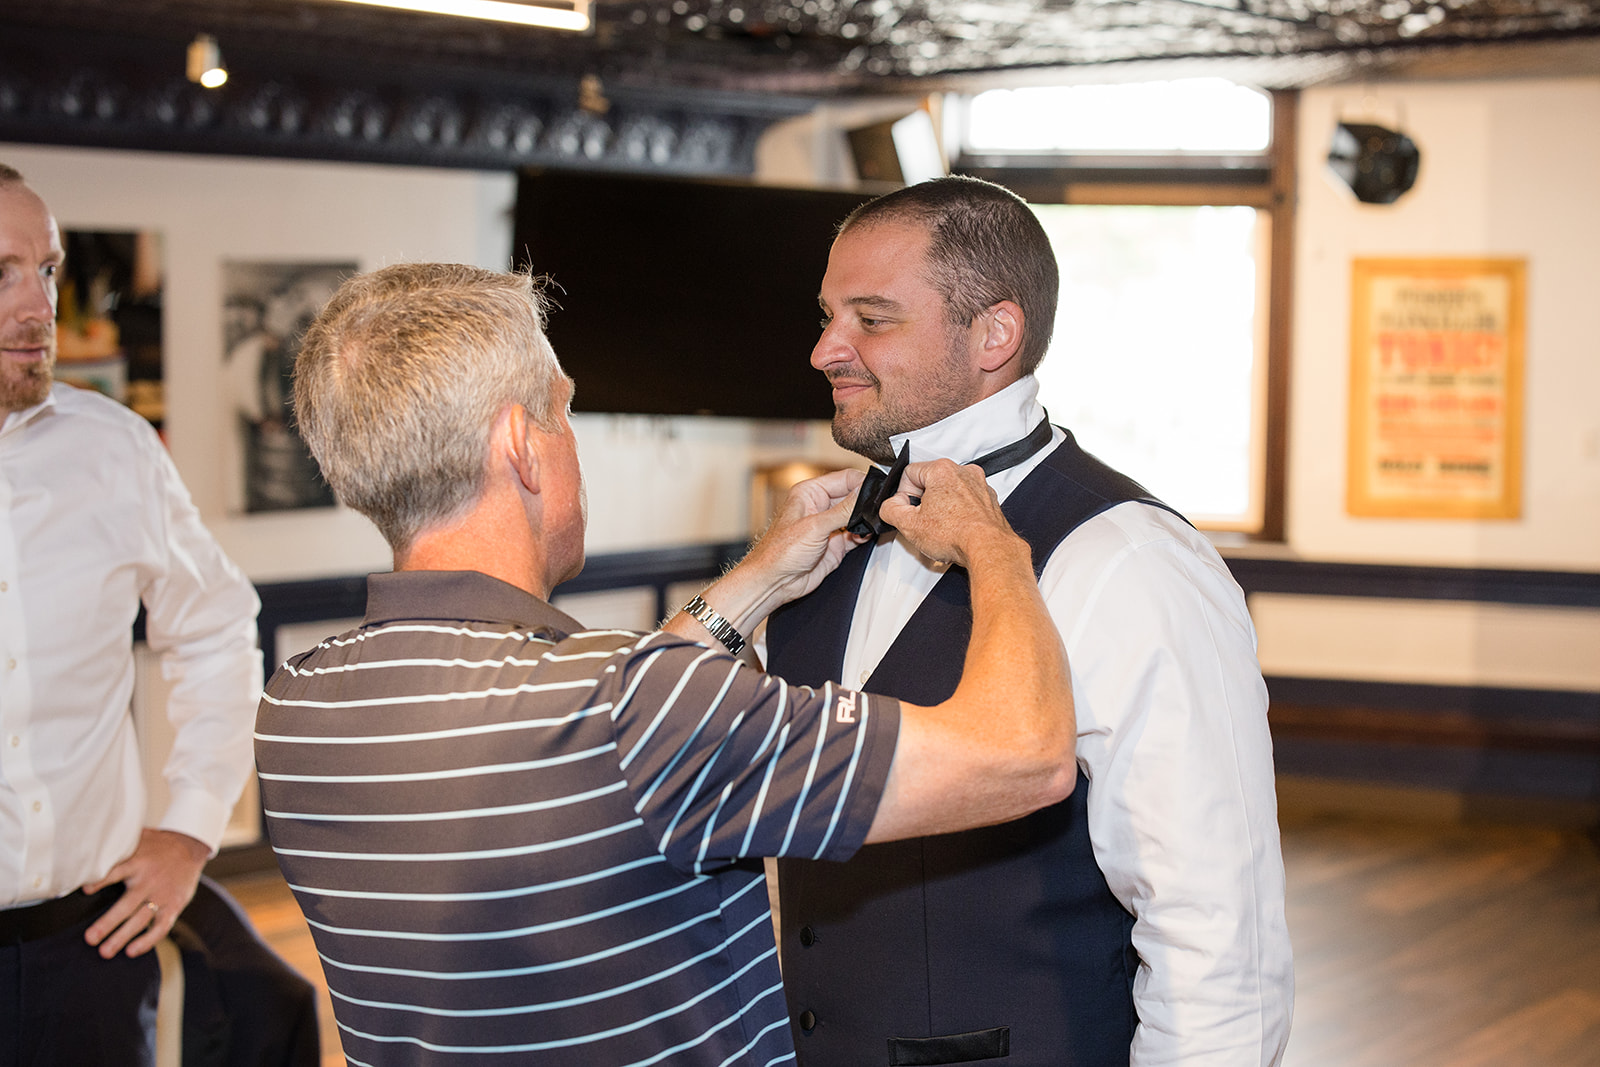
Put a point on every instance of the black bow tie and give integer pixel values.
(879, 485)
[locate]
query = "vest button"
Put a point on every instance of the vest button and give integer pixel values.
(808, 1021)
(808, 936)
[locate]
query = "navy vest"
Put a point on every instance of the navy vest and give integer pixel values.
(1002, 942)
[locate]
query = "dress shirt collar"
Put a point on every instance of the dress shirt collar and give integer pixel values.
(991, 423)
(461, 596)
(15, 419)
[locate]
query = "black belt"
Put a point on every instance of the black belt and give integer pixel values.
(50, 917)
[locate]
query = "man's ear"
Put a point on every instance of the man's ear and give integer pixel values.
(514, 441)
(1002, 334)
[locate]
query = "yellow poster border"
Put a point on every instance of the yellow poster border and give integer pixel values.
(1360, 501)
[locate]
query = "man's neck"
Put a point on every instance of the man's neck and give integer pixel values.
(982, 426)
(483, 547)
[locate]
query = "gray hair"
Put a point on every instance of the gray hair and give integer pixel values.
(986, 245)
(400, 379)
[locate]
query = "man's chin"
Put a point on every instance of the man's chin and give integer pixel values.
(862, 440)
(26, 387)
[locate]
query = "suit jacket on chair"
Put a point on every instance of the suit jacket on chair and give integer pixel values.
(997, 943)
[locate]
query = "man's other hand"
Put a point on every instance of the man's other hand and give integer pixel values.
(807, 539)
(958, 514)
(160, 877)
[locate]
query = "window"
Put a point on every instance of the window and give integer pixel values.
(1202, 115)
(1168, 205)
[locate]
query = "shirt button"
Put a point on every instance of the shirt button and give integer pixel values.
(864, 676)
(808, 936)
(11, 664)
(4, 586)
(37, 806)
(15, 740)
(38, 881)
(808, 1021)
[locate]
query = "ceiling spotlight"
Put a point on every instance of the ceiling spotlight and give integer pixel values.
(1378, 164)
(552, 14)
(205, 62)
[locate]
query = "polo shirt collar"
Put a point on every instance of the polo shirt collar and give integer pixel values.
(460, 596)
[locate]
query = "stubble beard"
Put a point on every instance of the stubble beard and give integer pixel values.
(26, 384)
(867, 433)
(941, 394)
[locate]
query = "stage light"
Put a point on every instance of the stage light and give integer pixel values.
(1377, 163)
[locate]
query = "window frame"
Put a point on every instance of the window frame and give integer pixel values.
(1264, 181)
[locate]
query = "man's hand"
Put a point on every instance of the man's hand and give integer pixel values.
(1003, 744)
(806, 539)
(803, 545)
(958, 517)
(160, 876)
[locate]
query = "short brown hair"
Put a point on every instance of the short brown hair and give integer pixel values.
(986, 245)
(401, 378)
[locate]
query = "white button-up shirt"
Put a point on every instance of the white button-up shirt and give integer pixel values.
(1172, 735)
(94, 519)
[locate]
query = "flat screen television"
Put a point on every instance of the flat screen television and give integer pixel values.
(682, 297)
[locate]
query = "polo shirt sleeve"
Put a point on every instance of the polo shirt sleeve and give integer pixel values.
(724, 762)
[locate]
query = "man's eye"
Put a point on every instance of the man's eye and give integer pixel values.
(869, 322)
(51, 270)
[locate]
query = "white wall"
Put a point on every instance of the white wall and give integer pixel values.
(652, 481)
(1509, 169)
(210, 209)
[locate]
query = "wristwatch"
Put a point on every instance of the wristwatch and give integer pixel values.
(719, 627)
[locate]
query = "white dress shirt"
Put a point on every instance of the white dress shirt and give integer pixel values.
(1172, 736)
(94, 519)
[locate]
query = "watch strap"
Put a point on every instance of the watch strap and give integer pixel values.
(718, 627)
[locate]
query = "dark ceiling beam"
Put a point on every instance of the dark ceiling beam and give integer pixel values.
(113, 90)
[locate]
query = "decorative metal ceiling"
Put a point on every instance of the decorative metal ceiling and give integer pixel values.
(684, 86)
(842, 46)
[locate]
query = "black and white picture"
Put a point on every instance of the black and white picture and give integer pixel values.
(266, 309)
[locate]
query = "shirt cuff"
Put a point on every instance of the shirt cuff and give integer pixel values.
(198, 814)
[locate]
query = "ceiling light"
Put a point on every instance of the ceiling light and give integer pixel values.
(555, 14)
(205, 62)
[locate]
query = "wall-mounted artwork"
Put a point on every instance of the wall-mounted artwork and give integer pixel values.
(108, 317)
(1436, 388)
(266, 309)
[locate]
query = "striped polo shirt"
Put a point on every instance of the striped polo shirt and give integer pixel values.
(518, 842)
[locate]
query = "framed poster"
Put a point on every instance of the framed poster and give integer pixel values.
(1436, 388)
(266, 309)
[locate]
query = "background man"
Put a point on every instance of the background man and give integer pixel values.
(1142, 917)
(512, 836)
(94, 521)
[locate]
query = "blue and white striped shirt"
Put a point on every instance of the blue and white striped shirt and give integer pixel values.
(516, 843)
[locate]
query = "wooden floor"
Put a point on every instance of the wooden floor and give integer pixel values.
(1416, 944)
(1442, 945)
(277, 917)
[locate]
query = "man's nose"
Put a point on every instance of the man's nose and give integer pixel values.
(830, 349)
